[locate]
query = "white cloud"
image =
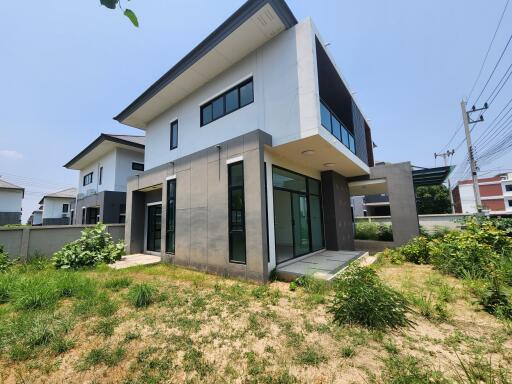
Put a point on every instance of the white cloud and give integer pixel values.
(10, 154)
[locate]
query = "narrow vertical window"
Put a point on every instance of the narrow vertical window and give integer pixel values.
(170, 241)
(100, 177)
(174, 135)
(236, 207)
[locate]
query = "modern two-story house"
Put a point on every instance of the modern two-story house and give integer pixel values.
(57, 207)
(105, 166)
(251, 141)
(11, 197)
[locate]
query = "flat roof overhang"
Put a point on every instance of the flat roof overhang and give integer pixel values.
(100, 147)
(315, 152)
(252, 25)
(431, 176)
(368, 187)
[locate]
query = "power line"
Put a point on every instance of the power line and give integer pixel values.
(494, 69)
(488, 50)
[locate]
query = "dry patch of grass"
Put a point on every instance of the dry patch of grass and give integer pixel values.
(200, 328)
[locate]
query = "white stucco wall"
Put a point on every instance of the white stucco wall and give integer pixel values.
(52, 207)
(10, 200)
(117, 168)
(282, 103)
(37, 218)
(467, 198)
(124, 171)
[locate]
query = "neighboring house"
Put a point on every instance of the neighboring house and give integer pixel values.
(57, 207)
(105, 166)
(37, 217)
(371, 205)
(11, 197)
(252, 140)
(495, 194)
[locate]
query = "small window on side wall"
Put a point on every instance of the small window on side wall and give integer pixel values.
(65, 208)
(137, 166)
(174, 135)
(87, 179)
(100, 177)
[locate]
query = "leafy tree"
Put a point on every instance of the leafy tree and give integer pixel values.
(113, 4)
(433, 199)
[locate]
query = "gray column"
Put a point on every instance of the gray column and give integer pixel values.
(134, 226)
(339, 230)
(402, 199)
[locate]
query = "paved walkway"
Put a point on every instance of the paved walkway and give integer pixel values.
(323, 265)
(135, 259)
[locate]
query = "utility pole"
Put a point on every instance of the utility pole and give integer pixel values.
(472, 162)
(445, 155)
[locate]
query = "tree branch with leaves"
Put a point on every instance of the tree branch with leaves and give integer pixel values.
(114, 4)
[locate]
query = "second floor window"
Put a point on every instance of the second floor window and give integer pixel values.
(174, 134)
(137, 166)
(100, 178)
(65, 208)
(236, 98)
(87, 179)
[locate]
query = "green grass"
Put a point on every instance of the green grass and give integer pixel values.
(103, 355)
(142, 295)
(118, 283)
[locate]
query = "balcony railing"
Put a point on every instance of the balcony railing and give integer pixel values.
(336, 128)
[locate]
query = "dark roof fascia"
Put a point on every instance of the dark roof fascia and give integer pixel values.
(103, 137)
(225, 29)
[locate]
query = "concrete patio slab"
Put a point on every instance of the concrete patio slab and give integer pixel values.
(323, 265)
(134, 260)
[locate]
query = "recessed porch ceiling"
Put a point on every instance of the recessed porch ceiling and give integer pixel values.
(254, 24)
(316, 153)
(368, 187)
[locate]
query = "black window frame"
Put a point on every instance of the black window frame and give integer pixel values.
(88, 179)
(209, 104)
(168, 230)
(508, 187)
(231, 189)
(173, 126)
(342, 127)
(100, 176)
(135, 164)
(67, 207)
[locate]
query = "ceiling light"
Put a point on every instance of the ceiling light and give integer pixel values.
(329, 165)
(308, 152)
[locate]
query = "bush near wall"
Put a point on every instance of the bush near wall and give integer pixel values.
(480, 253)
(95, 246)
(373, 231)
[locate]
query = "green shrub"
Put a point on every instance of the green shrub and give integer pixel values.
(94, 246)
(463, 254)
(367, 231)
(416, 250)
(5, 263)
(495, 300)
(394, 256)
(142, 295)
(361, 298)
(385, 233)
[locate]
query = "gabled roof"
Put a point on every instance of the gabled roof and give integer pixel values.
(6, 185)
(132, 141)
(63, 194)
(252, 25)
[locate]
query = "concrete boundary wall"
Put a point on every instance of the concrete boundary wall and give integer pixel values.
(26, 242)
(429, 222)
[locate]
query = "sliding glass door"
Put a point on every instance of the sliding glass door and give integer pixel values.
(298, 224)
(154, 234)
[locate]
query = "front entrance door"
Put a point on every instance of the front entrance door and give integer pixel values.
(154, 227)
(291, 225)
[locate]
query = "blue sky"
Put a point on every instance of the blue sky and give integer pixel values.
(67, 70)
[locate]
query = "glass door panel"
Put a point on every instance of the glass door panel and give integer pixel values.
(300, 224)
(283, 225)
(154, 228)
